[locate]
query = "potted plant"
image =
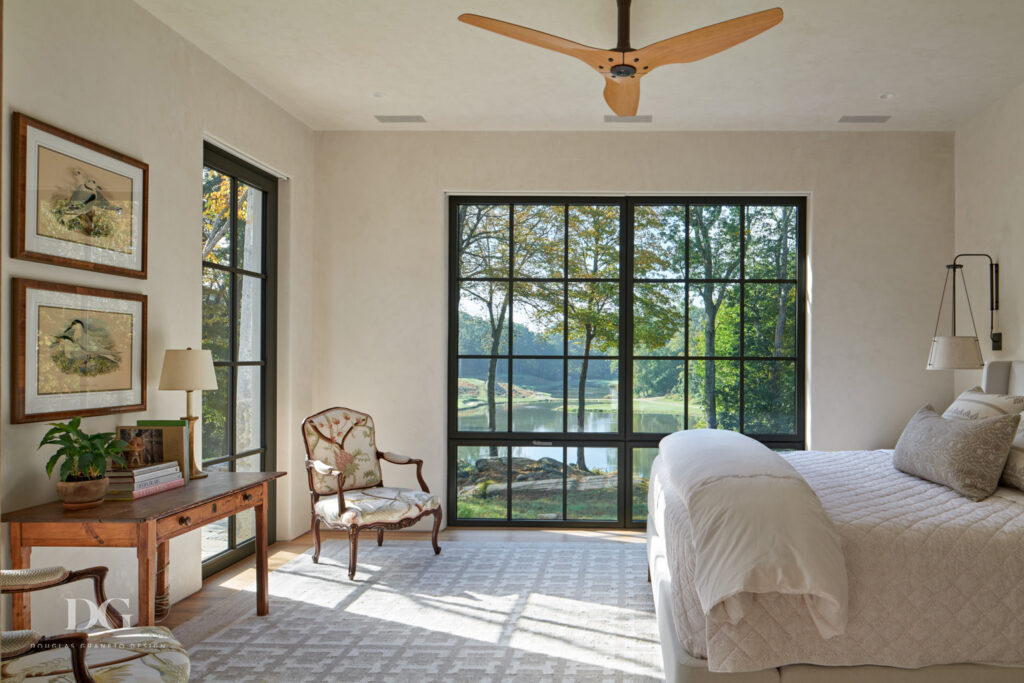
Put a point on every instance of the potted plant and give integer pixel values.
(83, 473)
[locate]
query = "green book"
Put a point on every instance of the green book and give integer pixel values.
(182, 457)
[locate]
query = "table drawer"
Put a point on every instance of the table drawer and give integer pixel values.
(196, 517)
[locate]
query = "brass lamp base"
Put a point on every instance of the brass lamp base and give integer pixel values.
(194, 471)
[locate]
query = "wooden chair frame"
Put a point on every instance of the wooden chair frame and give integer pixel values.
(354, 529)
(76, 641)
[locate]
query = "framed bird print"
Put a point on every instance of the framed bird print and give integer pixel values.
(76, 203)
(76, 351)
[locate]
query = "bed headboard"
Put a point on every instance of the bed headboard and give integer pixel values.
(1004, 377)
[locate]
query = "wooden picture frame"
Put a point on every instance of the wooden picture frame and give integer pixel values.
(76, 351)
(75, 203)
(171, 437)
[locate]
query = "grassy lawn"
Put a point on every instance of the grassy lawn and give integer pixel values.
(597, 505)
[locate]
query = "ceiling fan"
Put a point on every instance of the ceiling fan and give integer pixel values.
(623, 66)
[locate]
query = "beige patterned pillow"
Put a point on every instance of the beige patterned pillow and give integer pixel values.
(966, 455)
(974, 404)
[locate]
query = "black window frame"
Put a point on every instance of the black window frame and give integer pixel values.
(625, 439)
(238, 170)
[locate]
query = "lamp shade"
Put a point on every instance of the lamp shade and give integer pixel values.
(188, 370)
(955, 353)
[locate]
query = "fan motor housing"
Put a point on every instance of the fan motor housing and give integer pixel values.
(623, 70)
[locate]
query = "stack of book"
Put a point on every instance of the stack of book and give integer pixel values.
(140, 482)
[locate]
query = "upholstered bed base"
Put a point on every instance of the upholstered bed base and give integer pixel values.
(682, 667)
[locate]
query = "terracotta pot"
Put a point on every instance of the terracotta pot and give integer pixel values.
(78, 495)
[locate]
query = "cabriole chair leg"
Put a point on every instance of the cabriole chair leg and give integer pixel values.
(316, 540)
(437, 528)
(353, 550)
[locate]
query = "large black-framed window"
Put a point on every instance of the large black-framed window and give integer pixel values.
(584, 329)
(239, 313)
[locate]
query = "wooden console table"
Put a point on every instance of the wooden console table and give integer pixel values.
(146, 524)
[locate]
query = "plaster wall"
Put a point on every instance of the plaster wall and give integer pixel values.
(989, 211)
(880, 227)
(109, 71)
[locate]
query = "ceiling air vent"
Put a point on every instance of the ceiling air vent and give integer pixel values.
(643, 118)
(401, 118)
(864, 119)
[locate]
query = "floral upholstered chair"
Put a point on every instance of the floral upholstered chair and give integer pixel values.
(346, 487)
(148, 653)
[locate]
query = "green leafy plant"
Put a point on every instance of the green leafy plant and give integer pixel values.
(85, 455)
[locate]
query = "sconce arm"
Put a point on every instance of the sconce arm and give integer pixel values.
(993, 297)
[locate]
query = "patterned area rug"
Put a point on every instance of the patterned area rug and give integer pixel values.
(479, 611)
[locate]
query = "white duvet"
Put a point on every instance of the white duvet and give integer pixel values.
(757, 528)
(934, 578)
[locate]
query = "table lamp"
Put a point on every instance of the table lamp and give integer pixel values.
(189, 370)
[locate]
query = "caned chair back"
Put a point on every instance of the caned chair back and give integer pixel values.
(344, 440)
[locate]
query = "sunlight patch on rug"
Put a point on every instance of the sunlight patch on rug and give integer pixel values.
(479, 611)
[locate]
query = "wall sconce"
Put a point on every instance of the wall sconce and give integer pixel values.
(963, 352)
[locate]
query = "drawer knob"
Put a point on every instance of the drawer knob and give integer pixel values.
(185, 520)
(247, 497)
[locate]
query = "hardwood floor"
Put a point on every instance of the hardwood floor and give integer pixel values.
(236, 577)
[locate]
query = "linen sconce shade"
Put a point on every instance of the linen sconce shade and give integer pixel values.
(955, 353)
(188, 370)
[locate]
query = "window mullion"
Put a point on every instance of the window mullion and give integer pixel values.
(510, 300)
(565, 321)
(743, 325)
(686, 318)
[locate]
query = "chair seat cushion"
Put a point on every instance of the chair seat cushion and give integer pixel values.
(376, 505)
(147, 653)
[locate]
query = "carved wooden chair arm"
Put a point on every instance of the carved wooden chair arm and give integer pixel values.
(27, 580)
(396, 458)
(328, 471)
(405, 460)
(20, 643)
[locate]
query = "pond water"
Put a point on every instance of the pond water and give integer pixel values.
(547, 417)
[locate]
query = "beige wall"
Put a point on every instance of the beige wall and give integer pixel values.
(880, 229)
(109, 71)
(990, 219)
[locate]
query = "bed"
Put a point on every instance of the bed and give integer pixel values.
(935, 581)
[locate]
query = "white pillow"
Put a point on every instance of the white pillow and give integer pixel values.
(975, 404)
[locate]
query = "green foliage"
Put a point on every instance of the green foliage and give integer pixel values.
(598, 504)
(704, 243)
(84, 455)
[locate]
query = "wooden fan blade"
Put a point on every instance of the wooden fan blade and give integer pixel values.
(704, 42)
(622, 95)
(593, 56)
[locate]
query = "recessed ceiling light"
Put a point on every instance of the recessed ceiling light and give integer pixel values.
(887, 96)
(864, 119)
(402, 118)
(642, 118)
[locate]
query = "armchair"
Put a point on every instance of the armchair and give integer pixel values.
(346, 485)
(116, 653)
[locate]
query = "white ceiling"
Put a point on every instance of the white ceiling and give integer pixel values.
(335, 64)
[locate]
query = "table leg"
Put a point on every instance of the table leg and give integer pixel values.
(21, 615)
(163, 599)
(262, 568)
(145, 552)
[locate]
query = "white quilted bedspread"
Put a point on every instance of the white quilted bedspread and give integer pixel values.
(934, 578)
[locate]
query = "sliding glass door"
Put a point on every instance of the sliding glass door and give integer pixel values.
(239, 251)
